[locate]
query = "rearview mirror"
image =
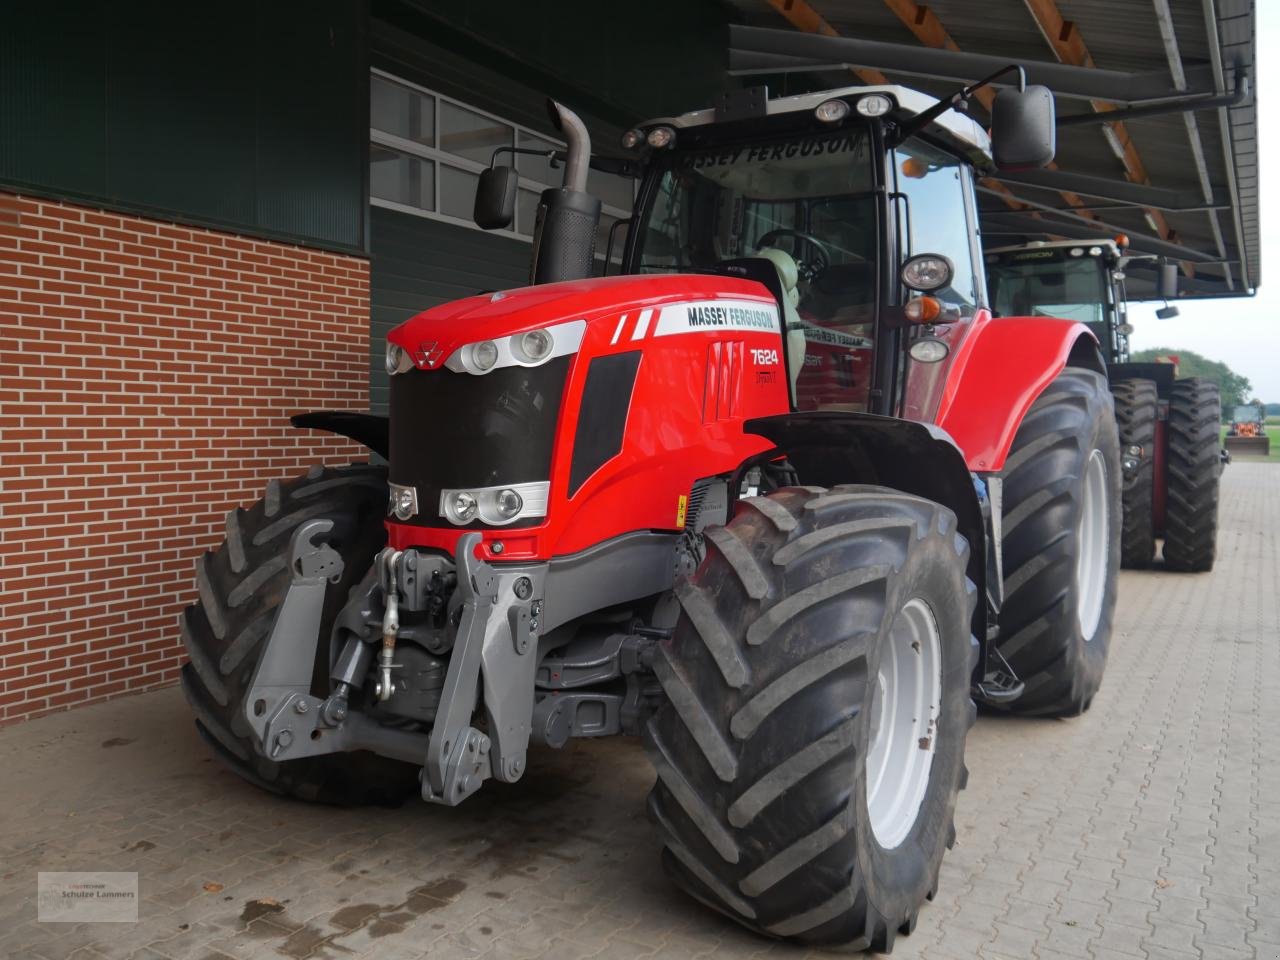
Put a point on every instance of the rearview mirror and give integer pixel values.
(495, 198)
(1023, 135)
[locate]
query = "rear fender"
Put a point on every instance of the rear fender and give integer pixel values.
(366, 428)
(830, 448)
(1001, 367)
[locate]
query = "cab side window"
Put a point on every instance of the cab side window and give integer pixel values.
(932, 217)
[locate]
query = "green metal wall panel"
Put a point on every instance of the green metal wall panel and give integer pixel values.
(238, 114)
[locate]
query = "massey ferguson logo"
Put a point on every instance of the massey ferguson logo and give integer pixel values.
(764, 358)
(735, 317)
(428, 352)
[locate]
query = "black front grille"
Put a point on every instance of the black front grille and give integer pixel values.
(458, 430)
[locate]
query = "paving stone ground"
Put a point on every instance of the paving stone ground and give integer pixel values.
(1149, 828)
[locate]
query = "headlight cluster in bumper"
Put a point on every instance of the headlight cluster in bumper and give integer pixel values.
(496, 506)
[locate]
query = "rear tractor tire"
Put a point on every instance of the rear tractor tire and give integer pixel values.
(242, 584)
(811, 744)
(1193, 468)
(1061, 545)
(1137, 407)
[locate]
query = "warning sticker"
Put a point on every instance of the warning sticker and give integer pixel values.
(681, 506)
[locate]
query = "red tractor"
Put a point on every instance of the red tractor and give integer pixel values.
(782, 499)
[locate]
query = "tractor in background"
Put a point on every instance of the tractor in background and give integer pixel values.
(1169, 427)
(782, 498)
(1247, 433)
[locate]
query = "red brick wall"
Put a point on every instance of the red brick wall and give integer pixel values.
(147, 373)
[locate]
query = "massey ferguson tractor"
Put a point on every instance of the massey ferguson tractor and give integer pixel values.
(1171, 454)
(782, 498)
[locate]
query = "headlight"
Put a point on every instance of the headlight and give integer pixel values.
(508, 504)
(632, 139)
(534, 346)
(660, 137)
(874, 105)
(528, 349)
(831, 111)
(928, 271)
(460, 506)
(495, 505)
(398, 359)
(484, 355)
(928, 351)
(403, 501)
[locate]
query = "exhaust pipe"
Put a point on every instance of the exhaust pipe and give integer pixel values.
(564, 232)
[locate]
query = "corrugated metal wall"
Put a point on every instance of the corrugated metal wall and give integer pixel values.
(238, 114)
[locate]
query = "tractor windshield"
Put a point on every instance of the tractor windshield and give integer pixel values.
(804, 204)
(1051, 283)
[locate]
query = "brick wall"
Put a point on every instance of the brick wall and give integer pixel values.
(147, 373)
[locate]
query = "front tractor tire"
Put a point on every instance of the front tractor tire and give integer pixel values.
(1137, 408)
(1193, 468)
(1061, 545)
(241, 585)
(811, 744)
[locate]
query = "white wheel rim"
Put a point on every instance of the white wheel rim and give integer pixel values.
(904, 723)
(1091, 547)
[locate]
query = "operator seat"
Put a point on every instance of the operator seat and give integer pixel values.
(788, 277)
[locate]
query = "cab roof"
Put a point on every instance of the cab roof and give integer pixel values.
(963, 133)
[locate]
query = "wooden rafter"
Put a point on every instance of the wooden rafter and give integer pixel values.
(1069, 47)
(930, 31)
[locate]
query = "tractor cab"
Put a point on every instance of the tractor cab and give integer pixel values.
(823, 198)
(1081, 280)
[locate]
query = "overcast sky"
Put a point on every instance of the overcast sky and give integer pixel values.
(1242, 332)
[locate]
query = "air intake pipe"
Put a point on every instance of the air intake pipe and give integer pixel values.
(564, 233)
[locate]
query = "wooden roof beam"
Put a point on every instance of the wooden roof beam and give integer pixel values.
(1068, 46)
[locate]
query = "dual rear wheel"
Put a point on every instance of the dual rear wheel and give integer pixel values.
(1191, 470)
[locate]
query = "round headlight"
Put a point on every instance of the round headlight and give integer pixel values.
(928, 351)
(928, 271)
(831, 111)
(463, 507)
(1095, 251)
(874, 105)
(484, 354)
(632, 139)
(398, 359)
(660, 137)
(534, 346)
(508, 504)
(403, 502)
(1077, 252)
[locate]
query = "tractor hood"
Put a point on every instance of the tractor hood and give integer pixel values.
(433, 336)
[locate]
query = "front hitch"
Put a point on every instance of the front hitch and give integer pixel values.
(494, 651)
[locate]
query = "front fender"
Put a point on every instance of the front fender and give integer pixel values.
(365, 428)
(830, 448)
(1000, 369)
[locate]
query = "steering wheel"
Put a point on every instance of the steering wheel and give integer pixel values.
(811, 266)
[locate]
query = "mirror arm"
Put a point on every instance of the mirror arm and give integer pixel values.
(954, 102)
(554, 156)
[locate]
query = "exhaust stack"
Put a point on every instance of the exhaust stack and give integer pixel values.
(564, 233)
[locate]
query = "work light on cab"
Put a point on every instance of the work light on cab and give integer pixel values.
(660, 137)
(874, 105)
(927, 272)
(831, 111)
